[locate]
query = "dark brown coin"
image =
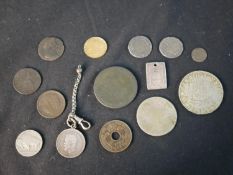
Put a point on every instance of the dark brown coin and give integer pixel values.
(26, 81)
(115, 136)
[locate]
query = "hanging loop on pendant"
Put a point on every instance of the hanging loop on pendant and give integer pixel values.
(71, 122)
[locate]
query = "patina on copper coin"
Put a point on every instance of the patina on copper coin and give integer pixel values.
(115, 136)
(26, 81)
(70, 143)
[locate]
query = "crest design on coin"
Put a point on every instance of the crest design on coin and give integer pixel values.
(201, 92)
(156, 116)
(140, 46)
(28, 143)
(51, 48)
(95, 47)
(115, 136)
(171, 47)
(26, 81)
(199, 54)
(70, 143)
(51, 104)
(115, 87)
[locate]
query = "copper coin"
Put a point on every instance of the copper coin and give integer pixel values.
(51, 104)
(115, 136)
(26, 81)
(51, 48)
(199, 55)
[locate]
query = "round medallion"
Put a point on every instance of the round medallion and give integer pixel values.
(51, 104)
(26, 81)
(115, 136)
(201, 92)
(51, 48)
(156, 116)
(140, 46)
(115, 87)
(171, 47)
(70, 143)
(199, 54)
(95, 47)
(28, 143)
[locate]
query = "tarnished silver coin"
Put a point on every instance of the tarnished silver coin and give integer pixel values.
(26, 81)
(171, 47)
(115, 87)
(201, 92)
(156, 116)
(28, 143)
(199, 54)
(70, 143)
(51, 104)
(140, 46)
(115, 136)
(51, 48)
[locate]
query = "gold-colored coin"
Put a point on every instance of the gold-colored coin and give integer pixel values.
(115, 136)
(95, 47)
(51, 104)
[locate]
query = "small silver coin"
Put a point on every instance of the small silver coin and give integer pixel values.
(199, 55)
(70, 143)
(51, 48)
(28, 143)
(26, 81)
(140, 46)
(171, 47)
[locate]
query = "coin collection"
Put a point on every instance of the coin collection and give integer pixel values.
(200, 92)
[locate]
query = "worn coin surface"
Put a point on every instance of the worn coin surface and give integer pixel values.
(199, 54)
(28, 143)
(26, 81)
(115, 87)
(95, 47)
(51, 48)
(51, 104)
(171, 47)
(70, 143)
(156, 116)
(140, 46)
(201, 92)
(115, 136)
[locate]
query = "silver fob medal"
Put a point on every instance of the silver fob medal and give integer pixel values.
(71, 142)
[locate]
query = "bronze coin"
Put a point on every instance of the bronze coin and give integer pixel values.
(26, 81)
(51, 104)
(115, 136)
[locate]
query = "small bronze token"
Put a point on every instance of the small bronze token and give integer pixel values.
(51, 104)
(51, 48)
(199, 55)
(115, 136)
(26, 81)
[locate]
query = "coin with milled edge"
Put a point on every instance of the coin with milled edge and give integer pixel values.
(28, 143)
(115, 87)
(156, 116)
(51, 48)
(95, 47)
(51, 104)
(171, 47)
(70, 143)
(201, 92)
(26, 81)
(199, 54)
(140, 46)
(115, 136)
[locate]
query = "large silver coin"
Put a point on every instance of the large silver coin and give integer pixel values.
(156, 116)
(115, 87)
(201, 92)
(26, 81)
(171, 47)
(28, 143)
(140, 46)
(51, 104)
(199, 54)
(70, 143)
(51, 48)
